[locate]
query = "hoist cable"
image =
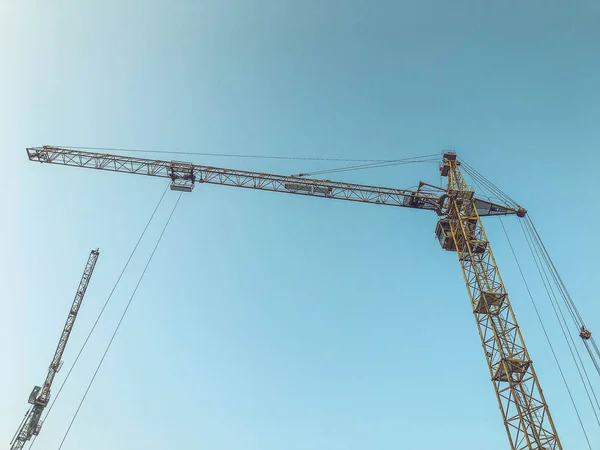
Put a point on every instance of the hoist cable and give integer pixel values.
(536, 242)
(225, 155)
(542, 270)
(547, 336)
(568, 301)
(595, 348)
(120, 321)
(564, 328)
(560, 281)
(103, 308)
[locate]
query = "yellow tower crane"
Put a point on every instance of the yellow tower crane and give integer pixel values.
(525, 413)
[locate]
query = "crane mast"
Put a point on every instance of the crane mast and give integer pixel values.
(524, 409)
(40, 396)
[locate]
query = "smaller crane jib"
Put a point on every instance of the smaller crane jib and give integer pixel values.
(40, 396)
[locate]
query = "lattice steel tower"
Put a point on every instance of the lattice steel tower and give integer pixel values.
(524, 409)
(40, 396)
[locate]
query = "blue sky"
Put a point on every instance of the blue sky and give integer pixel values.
(269, 321)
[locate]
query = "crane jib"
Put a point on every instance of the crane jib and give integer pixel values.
(185, 175)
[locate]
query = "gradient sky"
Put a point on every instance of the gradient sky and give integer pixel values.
(273, 322)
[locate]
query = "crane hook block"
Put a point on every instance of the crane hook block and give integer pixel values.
(585, 334)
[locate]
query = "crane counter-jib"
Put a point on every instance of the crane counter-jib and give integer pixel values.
(184, 176)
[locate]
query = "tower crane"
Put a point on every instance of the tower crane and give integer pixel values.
(459, 229)
(40, 396)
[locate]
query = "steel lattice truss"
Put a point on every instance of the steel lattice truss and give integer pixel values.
(31, 423)
(524, 409)
(184, 175)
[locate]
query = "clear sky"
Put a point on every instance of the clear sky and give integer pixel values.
(272, 322)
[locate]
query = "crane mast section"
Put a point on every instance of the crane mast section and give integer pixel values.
(39, 397)
(66, 333)
(184, 176)
(527, 418)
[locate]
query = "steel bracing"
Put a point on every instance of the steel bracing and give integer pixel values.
(524, 410)
(184, 175)
(39, 397)
(525, 413)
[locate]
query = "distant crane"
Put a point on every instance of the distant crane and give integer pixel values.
(525, 412)
(40, 396)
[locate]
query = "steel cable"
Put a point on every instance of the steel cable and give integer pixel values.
(568, 300)
(577, 359)
(396, 162)
(103, 308)
(371, 163)
(120, 322)
(559, 282)
(488, 185)
(547, 336)
(226, 155)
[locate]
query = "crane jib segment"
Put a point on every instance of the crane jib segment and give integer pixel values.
(39, 397)
(185, 175)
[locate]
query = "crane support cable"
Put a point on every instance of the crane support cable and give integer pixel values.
(370, 163)
(558, 312)
(487, 185)
(396, 162)
(480, 184)
(120, 321)
(584, 333)
(103, 308)
(225, 155)
(537, 312)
